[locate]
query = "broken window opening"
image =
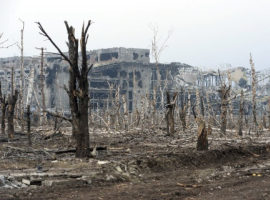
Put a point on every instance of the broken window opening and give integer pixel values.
(130, 83)
(123, 74)
(135, 56)
(130, 75)
(124, 85)
(102, 85)
(110, 73)
(65, 69)
(108, 56)
(163, 74)
(130, 95)
(51, 59)
(138, 75)
(130, 106)
(115, 55)
(146, 54)
(140, 84)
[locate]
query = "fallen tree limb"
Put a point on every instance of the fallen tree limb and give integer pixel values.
(188, 185)
(58, 115)
(74, 150)
(48, 152)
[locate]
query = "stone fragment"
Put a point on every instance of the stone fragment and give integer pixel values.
(32, 182)
(49, 183)
(26, 182)
(118, 168)
(2, 181)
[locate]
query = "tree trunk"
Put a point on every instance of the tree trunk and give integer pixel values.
(198, 104)
(142, 114)
(125, 112)
(210, 110)
(231, 124)
(241, 109)
(78, 86)
(28, 125)
(202, 106)
(73, 57)
(83, 99)
(269, 113)
(182, 111)
(170, 113)
(188, 110)
(82, 137)
(154, 105)
(44, 120)
(3, 117)
(264, 120)
(4, 104)
(202, 142)
(253, 93)
(56, 122)
(224, 102)
(21, 103)
(11, 107)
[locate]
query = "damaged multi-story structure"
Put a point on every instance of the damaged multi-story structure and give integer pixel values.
(129, 69)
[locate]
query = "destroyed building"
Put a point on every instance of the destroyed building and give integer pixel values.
(114, 67)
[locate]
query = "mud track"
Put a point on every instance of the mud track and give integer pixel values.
(141, 166)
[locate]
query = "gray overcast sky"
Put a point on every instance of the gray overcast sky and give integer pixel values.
(206, 33)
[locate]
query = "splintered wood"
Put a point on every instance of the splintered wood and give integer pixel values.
(202, 143)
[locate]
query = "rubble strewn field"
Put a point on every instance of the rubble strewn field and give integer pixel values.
(135, 165)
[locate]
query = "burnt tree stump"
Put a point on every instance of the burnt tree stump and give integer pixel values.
(202, 143)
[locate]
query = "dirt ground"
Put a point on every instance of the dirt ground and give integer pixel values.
(139, 165)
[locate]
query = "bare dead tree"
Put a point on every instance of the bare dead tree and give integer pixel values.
(124, 100)
(156, 53)
(188, 110)
(42, 85)
(224, 92)
(170, 112)
(198, 102)
(78, 86)
(4, 104)
(210, 110)
(264, 120)
(117, 105)
(202, 106)
(12, 80)
(29, 125)
(231, 124)
(142, 114)
(182, 110)
(56, 123)
(153, 104)
(241, 110)
(12, 99)
(269, 113)
(147, 105)
(253, 93)
(21, 107)
(5, 47)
